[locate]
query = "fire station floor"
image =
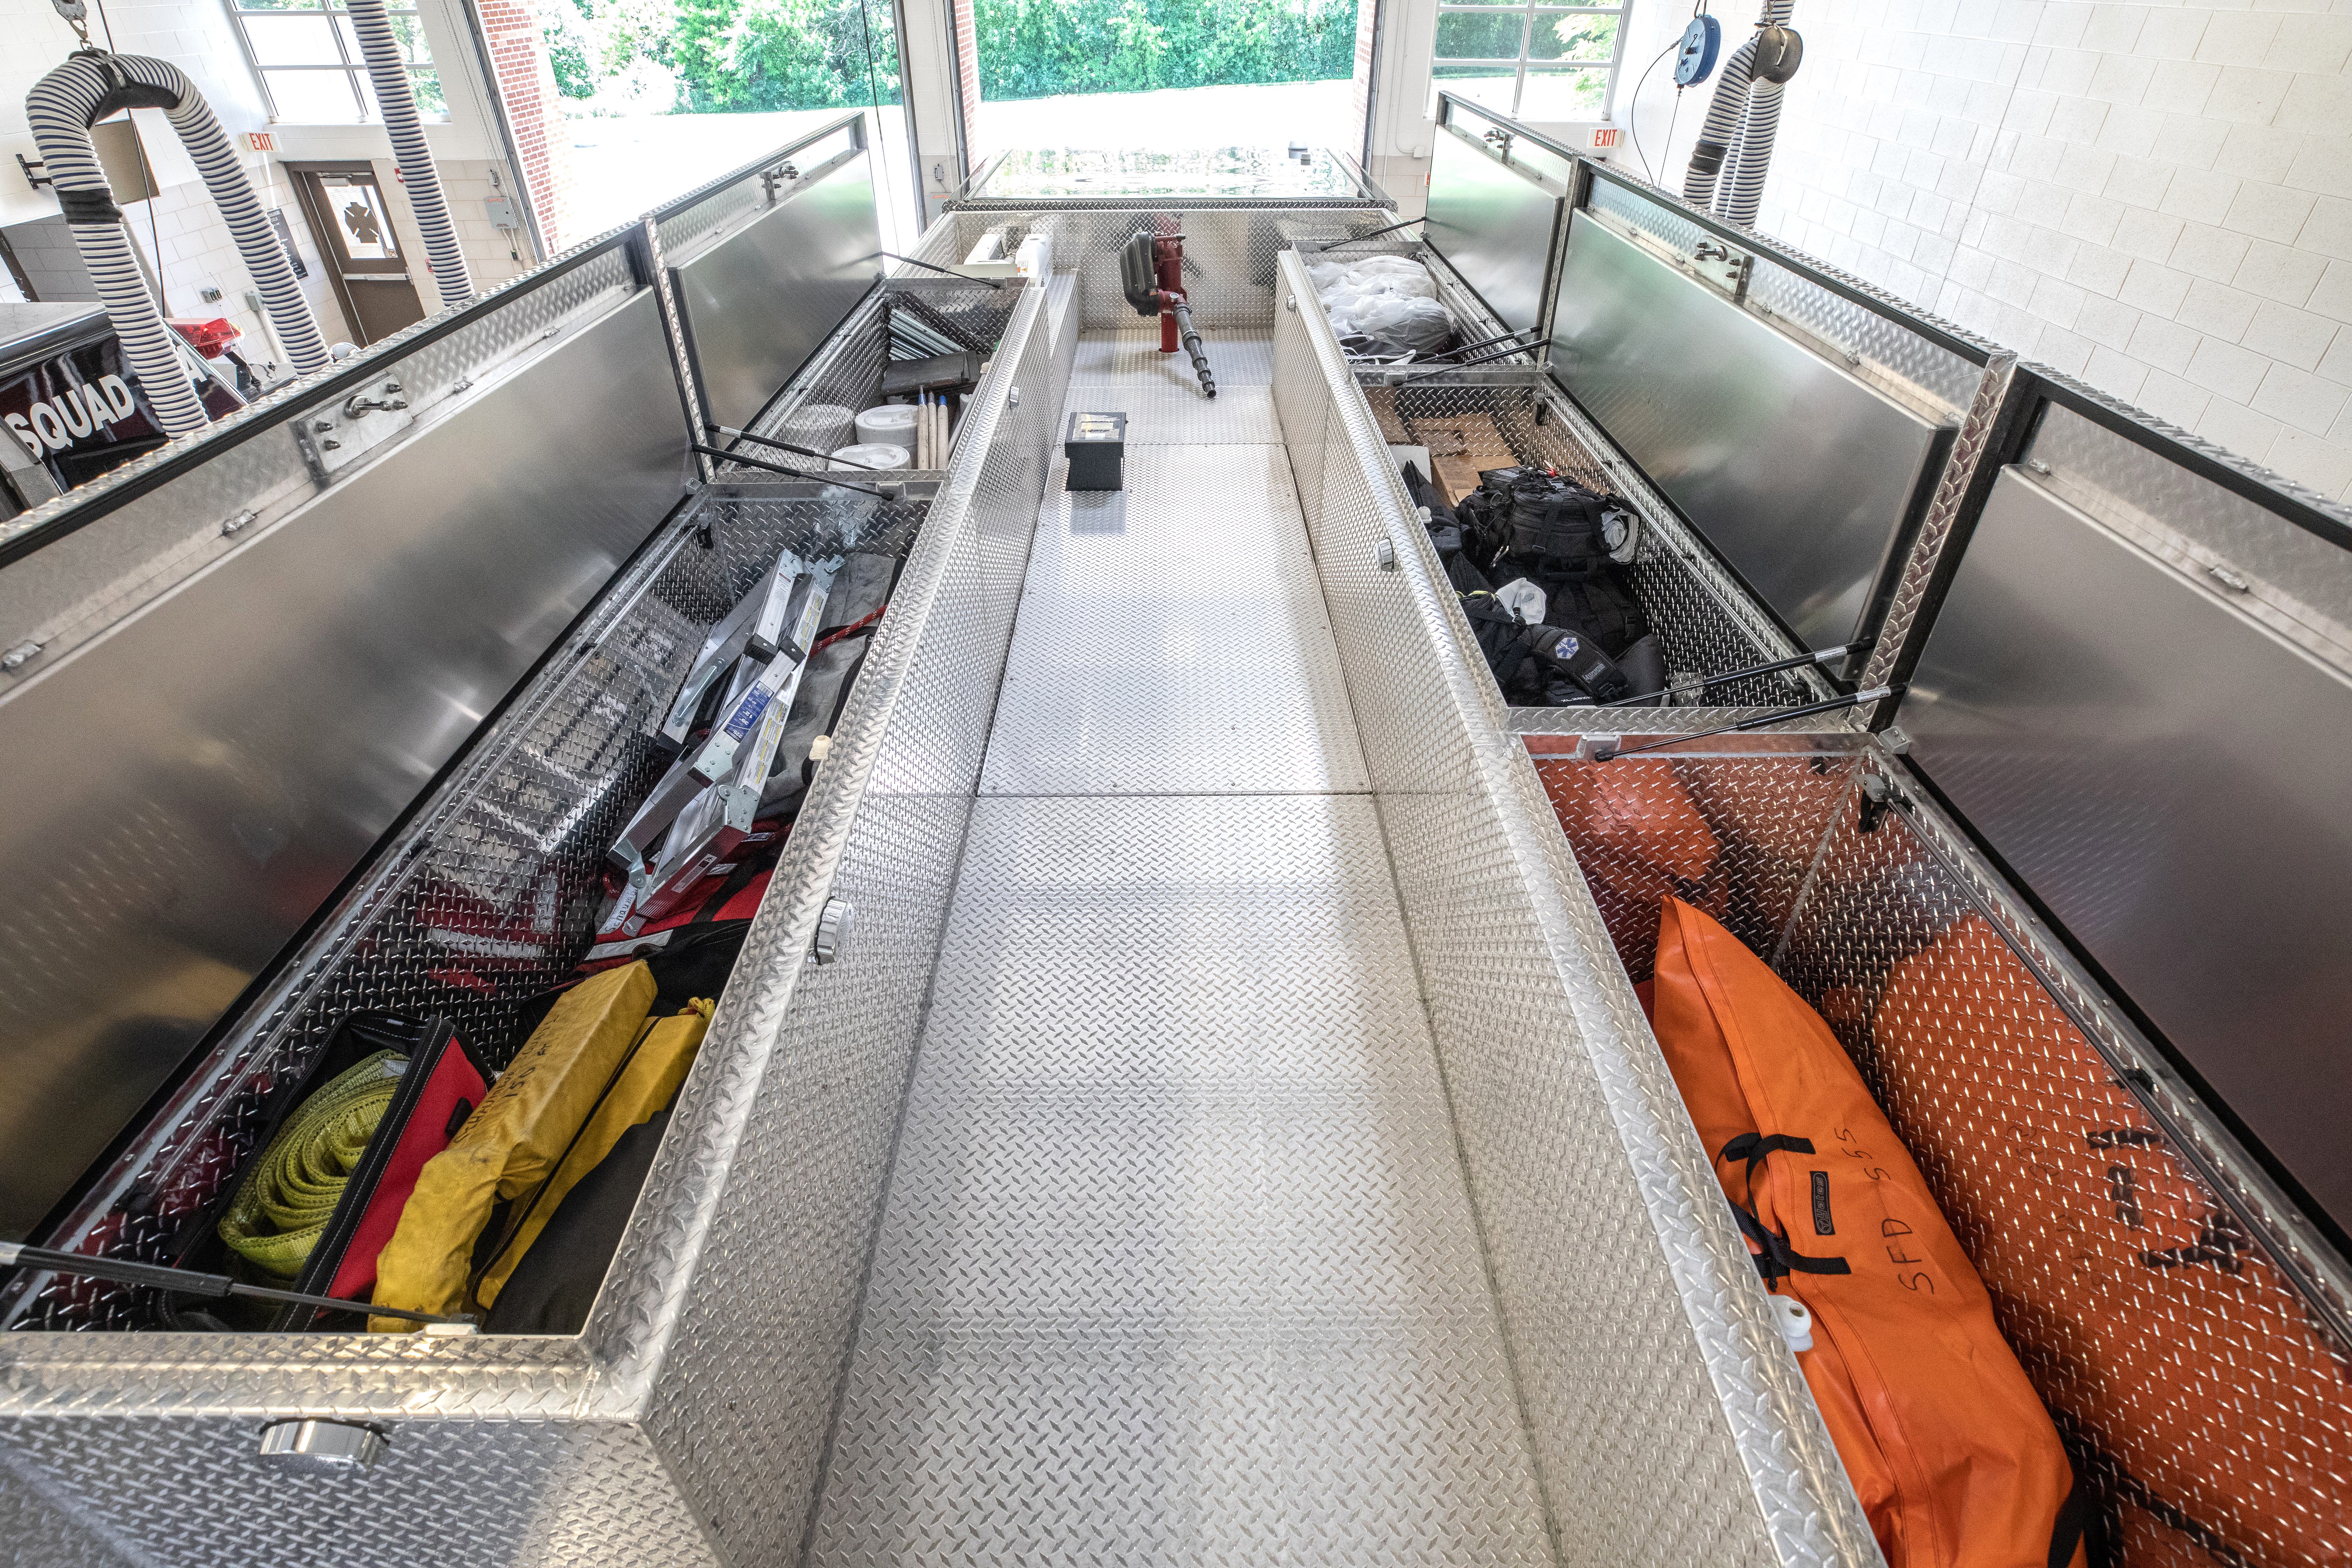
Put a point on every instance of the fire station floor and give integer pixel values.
(1177, 1264)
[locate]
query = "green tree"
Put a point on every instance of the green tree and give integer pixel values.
(1038, 48)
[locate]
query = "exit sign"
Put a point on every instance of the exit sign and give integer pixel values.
(1604, 136)
(262, 141)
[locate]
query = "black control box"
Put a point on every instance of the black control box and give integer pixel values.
(1096, 447)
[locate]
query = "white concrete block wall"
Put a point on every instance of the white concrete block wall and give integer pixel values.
(2157, 198)
(51, 261)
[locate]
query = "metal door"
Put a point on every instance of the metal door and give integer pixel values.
(353, 229)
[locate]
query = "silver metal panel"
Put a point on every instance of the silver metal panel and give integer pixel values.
(1972, 446)
(1229, 254)
(186, 788)
(1803, 476)
(1178, 1264)
(1787, 284)
(1171, 638)
(2165, 774)
(758, 299)
(2295, 583)
(103, 555)
(1495, 222)
(1682, 1432)
(735, 1293)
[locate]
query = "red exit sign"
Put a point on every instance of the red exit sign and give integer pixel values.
(1604, 136)
(262, 141)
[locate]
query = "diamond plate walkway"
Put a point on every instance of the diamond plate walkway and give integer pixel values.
(1177, 1265)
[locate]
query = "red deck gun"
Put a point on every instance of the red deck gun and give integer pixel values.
(1151, 268)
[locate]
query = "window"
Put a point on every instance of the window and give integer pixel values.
(310, 67)
(1531, 61)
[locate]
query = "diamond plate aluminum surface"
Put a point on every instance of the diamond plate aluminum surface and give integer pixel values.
(1229, 254)
(1683, 1432)
(1131, 360)
(742, 1267)
(1972, 445)
(1735, 833)
(2198, 1383)
(1177, 1265)
(1171, 638)
(1170, 416)
(182, 1492)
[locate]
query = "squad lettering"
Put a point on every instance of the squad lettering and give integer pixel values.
(54, 424)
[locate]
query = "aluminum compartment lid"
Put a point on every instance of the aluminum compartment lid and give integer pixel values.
(1807, 478)
(2159, 757)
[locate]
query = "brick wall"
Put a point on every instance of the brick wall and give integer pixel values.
(2155, 198)
(527, 85)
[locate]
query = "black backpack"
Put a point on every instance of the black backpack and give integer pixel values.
(1531, 522)
(1540, 666)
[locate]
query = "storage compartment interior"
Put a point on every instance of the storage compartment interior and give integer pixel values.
(2201, 1392)
(498, 896)
(1476, 419)
(902, 324)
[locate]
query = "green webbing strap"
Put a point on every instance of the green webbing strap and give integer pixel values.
(287, 1199)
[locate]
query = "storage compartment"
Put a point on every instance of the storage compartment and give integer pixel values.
(498, 896)
(2200, 1388)
(494, 903)
(907, 321)
(1481, 418)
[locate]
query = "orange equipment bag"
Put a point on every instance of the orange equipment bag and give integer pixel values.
(1956, 1461)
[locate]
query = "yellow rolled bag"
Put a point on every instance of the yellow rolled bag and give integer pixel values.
(648, 1081)
(283, 1205)
(514, 1141)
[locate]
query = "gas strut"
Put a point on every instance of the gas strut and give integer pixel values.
(1828, 656)
(186, 1282)
(729, 431)
(791, 473)
(1466, 364)
(1482, 343)
(1151, 272)
(1370, 234)
(1854, 700)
